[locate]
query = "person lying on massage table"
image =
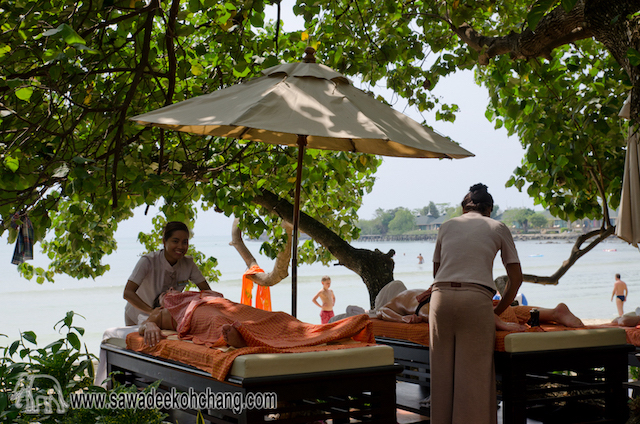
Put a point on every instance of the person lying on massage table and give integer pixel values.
(209, 319)
(630, 319)
(404, 308)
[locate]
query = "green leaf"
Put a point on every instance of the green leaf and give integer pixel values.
(538, 10)
(194, 6)
(14, 347)
(68, 319)
(4, 401)
(83, 48)
(74, 340)
(11, 163)
(241, 70)
(66, 33)
(4, 49)
(567, 5)
(29, 336)
(634, 56)
(24, 93)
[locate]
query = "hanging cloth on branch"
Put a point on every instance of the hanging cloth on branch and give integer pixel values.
(24, 241)
(263, 294)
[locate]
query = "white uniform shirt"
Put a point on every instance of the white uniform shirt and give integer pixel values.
(467, 246)
(153, 274)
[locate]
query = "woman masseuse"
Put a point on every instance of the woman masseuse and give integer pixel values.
(461, 315)
(159, 271)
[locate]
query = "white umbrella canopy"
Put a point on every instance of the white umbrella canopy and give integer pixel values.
(306, 105)
(628, 226)
(305, 99)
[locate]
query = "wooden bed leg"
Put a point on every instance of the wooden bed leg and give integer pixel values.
(387, 398)
(514, 398)
(616, 372)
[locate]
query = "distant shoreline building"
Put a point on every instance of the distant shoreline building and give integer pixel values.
(429, 222)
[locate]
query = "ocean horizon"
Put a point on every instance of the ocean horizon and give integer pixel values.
(28, 306)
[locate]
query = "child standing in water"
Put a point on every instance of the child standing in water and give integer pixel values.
(328, 300)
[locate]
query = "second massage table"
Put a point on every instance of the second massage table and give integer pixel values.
(347, 385)
(533, 369)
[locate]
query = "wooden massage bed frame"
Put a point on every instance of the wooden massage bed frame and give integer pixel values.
(310, 388)
(596, 357)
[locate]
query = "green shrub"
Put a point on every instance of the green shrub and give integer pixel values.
(43, 379)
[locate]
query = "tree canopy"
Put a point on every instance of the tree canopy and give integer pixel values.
(558, 73)
(72, 73)
(524, 217)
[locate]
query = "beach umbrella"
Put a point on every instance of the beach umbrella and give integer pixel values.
(308, 105)
(628, 226)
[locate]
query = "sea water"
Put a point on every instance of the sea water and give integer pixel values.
(25, 305)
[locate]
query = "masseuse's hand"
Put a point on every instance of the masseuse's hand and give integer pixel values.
(210, 293)
(412, 319)
(152, 334)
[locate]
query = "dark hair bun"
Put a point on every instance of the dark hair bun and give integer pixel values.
(478, 199)
(478, 187)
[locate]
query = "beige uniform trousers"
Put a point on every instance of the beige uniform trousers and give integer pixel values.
(461, 344)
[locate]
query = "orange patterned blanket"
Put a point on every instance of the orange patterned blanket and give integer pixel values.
(419, 333)
(200, 317)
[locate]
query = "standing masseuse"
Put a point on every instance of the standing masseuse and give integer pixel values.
(461, 316)
(159, 271)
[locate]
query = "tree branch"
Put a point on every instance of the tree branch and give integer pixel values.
(576, 253)
(555, 29)
(280, 267)
(373, 266)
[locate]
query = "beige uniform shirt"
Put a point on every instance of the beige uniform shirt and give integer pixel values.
(153, 274)
(467, 246)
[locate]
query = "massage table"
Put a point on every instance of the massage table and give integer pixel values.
(633, 337)
(347, 385)
(534, 370)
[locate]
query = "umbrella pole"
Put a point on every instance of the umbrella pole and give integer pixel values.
(302, 142)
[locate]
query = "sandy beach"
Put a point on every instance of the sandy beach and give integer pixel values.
(596, 321)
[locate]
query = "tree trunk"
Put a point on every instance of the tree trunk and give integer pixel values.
(373, 266)
(280, 267)
(615, 25)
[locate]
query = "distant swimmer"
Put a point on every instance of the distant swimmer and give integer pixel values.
(620, 291)
(420, 259)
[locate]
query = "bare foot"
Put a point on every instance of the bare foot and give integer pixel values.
(232, 336)
(562, 315)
